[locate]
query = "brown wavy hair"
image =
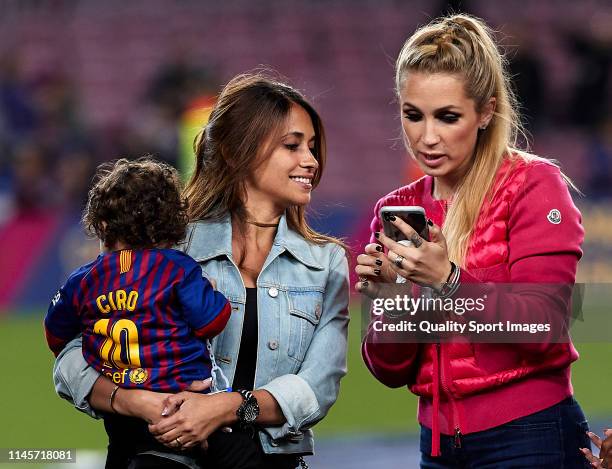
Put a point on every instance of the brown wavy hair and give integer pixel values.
(249, 113)
(136, 202)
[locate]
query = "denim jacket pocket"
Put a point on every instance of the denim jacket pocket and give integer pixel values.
(305, 312)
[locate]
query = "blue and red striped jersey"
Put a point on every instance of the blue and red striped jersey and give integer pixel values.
(144, 315)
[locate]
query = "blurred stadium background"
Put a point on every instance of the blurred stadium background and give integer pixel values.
(82, 82)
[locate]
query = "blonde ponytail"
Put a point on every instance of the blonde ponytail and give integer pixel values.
(464, 45)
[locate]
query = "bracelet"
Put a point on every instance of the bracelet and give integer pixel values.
(112, 397)
(452, 284)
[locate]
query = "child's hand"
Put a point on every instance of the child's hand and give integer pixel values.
(605, 447)
(172, 403)
(146, 405)
(200, 385)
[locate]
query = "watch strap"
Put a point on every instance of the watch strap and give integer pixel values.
(248, 411)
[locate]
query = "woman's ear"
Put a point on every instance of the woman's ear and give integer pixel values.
(487, 113)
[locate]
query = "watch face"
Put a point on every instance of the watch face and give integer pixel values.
(251, 412)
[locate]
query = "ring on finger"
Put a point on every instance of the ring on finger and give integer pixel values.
(362, 278)
(398, 261)
(178, 442)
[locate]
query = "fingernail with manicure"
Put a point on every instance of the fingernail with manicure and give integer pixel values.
(378, 262)
(377, 271)
(379, 248)
(377, 235)
(429, 222)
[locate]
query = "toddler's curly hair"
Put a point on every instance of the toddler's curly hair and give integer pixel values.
(136, 202)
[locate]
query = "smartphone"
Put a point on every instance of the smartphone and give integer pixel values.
(413, 215)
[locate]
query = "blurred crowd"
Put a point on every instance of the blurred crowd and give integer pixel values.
(49, 148)
(50, 145)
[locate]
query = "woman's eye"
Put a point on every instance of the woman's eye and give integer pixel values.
(291, 146)
(449, 118)
(412, 116)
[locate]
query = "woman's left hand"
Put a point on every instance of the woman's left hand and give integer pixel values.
(423, 262)
(192, 417)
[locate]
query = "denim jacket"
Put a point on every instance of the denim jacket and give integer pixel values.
(302, 305)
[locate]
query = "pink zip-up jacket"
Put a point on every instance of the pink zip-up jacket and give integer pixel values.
(529, 231)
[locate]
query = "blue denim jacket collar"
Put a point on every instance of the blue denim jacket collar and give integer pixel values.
(215, 238)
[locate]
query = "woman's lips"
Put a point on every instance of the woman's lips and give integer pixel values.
(432, 160)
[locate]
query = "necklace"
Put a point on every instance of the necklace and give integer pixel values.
(263, 225)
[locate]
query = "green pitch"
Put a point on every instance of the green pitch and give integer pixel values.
(35, 417)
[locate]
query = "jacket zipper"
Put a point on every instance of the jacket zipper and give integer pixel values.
(445, 388)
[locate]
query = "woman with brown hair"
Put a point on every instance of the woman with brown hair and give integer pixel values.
(283, 350)
(507, 218)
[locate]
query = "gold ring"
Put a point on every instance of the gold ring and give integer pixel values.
(178, 442)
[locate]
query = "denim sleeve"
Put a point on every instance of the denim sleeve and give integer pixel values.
(74, 378)
(306, 397)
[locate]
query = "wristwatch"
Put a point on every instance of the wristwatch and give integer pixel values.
(248, 410)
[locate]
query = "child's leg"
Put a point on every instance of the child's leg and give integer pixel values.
(125, 436)
(128, 437)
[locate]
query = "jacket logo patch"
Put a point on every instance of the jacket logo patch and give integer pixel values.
(554, 216)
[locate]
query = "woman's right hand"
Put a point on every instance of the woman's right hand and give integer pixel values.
(146, 405)
(373, 268)
(195, 417)
(152, 406)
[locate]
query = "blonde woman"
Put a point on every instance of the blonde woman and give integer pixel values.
(496, 215)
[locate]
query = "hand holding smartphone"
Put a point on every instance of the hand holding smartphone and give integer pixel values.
(412, 215)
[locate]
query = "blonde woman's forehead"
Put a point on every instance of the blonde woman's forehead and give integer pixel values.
(433, 91)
